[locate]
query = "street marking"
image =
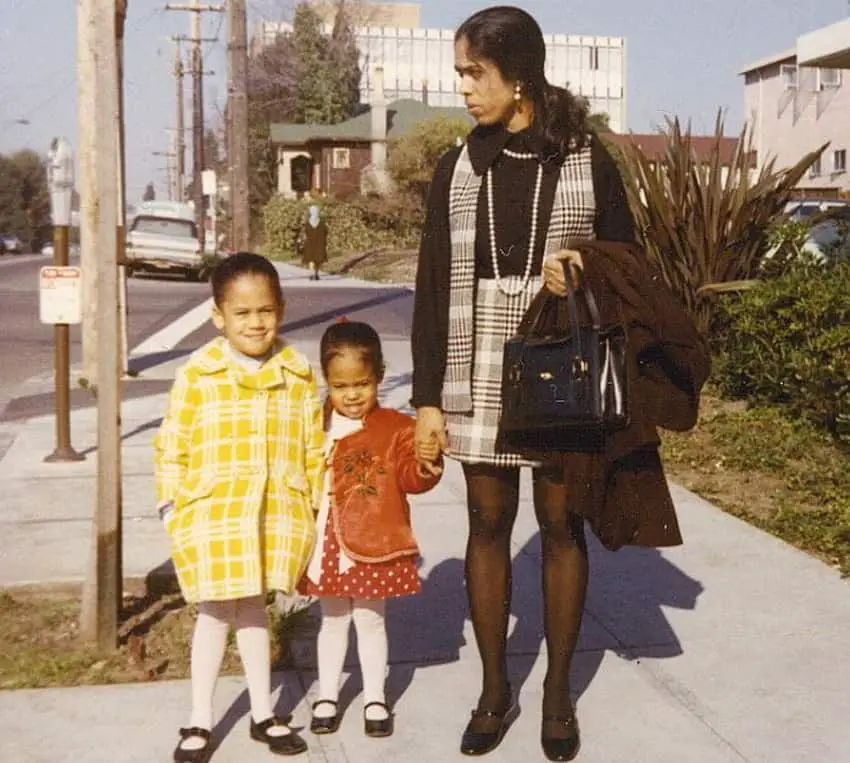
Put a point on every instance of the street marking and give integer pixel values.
(169, 337)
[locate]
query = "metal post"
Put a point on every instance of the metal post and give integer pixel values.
(62, 364)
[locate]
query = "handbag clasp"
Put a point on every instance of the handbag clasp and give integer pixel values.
(580, 368)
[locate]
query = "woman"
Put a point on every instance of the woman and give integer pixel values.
(314, 242)
(530, 178)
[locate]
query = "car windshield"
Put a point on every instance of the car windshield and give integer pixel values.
(165, 226)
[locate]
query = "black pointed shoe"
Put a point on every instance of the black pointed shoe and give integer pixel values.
(201, 755)
(327, 725)
(381, 728)
(560, 747)
(288, 744)
(481, 742)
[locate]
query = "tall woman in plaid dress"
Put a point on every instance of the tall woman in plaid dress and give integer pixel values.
(502, 208)
(238, 468)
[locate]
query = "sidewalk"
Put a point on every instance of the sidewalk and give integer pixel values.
(730, 648)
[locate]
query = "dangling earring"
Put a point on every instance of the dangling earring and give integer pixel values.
(518, 92)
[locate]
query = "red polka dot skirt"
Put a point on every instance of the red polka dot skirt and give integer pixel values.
(365, 580)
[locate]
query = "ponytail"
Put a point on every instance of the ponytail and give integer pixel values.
(562, 119)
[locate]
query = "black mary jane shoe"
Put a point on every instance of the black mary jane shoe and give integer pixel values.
(381, 728)
(327, 725)
(481, 742)
(560, 747)
(288, 744)
(199, 755)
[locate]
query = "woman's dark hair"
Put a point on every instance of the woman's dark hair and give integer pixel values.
(240, 264)
(513, 41)
(345, 335)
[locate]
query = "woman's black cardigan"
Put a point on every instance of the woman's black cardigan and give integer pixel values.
(513, 185)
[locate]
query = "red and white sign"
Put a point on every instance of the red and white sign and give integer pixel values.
(60, 291)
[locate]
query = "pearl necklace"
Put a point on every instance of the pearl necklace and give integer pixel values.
(526, 276)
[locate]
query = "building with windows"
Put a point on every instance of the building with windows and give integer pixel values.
(418, 63)
(799, 99)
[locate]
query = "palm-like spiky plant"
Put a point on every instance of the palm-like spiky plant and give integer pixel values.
(703, 224)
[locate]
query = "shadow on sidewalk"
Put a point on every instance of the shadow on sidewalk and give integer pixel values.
(627, 593)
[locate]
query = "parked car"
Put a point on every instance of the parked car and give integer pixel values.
(11, 244)
(828, 233)
(166, 244)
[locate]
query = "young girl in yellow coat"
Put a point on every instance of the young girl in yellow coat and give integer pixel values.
(238, 468)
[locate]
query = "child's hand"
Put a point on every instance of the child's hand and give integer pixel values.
(430, 451)
(429, 469)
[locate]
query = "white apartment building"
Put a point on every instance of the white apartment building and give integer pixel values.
(799, 99)
(418, 63)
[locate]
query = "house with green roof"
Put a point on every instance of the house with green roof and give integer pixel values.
(347, 158)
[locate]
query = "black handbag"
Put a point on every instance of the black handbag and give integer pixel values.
(560, 389)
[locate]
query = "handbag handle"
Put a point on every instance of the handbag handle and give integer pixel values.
(544, 300)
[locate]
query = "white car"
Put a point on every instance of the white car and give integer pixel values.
(166, 244)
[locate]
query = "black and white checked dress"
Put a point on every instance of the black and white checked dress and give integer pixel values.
(473, 432)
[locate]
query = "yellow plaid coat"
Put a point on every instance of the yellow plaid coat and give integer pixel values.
(241, 456)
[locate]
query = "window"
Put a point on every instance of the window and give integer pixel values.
(829, 79)
(788, 72)
(341, 159)
(172, 227)
(839, 160)
(814, 170)
(594, 57)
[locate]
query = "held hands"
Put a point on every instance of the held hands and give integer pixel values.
(430, 440)
(554, 266)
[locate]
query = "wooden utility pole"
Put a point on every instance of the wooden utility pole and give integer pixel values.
(98, 53)
(180, 147)
(237, 142)
(196, 9)
(168, 169)
(121, 255)
(86, 154)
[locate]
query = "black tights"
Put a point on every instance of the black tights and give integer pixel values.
(493, 498)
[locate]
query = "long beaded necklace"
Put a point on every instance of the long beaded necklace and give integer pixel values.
(494, 252)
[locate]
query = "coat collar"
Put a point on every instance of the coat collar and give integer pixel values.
(485, 143)
(214, 357)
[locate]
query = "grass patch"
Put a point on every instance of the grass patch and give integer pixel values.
(43, 648)
(785, 476)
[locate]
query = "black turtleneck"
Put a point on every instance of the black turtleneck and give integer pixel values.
(513, 191)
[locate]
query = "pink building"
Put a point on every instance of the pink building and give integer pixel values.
(798, 100)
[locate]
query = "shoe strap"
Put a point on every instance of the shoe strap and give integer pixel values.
(382, 705)
(324, 702)
(270, 722)
(195, 731)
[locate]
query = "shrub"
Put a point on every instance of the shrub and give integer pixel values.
(413, 156)
(788, 341)
(353, 226)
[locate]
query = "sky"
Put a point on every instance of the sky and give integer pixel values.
(682, 59)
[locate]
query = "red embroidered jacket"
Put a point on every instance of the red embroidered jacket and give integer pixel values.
(374, 469)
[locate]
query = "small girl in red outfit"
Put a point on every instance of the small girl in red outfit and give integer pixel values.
(365, 551)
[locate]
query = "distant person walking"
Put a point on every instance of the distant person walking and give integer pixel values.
(314, 242)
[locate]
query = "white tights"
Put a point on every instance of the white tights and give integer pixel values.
(368, 616)
(248, 618)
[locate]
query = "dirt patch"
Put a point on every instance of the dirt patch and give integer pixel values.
(780, 474)
(43, 647)
(395, 266)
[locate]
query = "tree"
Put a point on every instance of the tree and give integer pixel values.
(302, 77)
(150, 193)
(413, 157)
(600, 122)
(25, 197)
